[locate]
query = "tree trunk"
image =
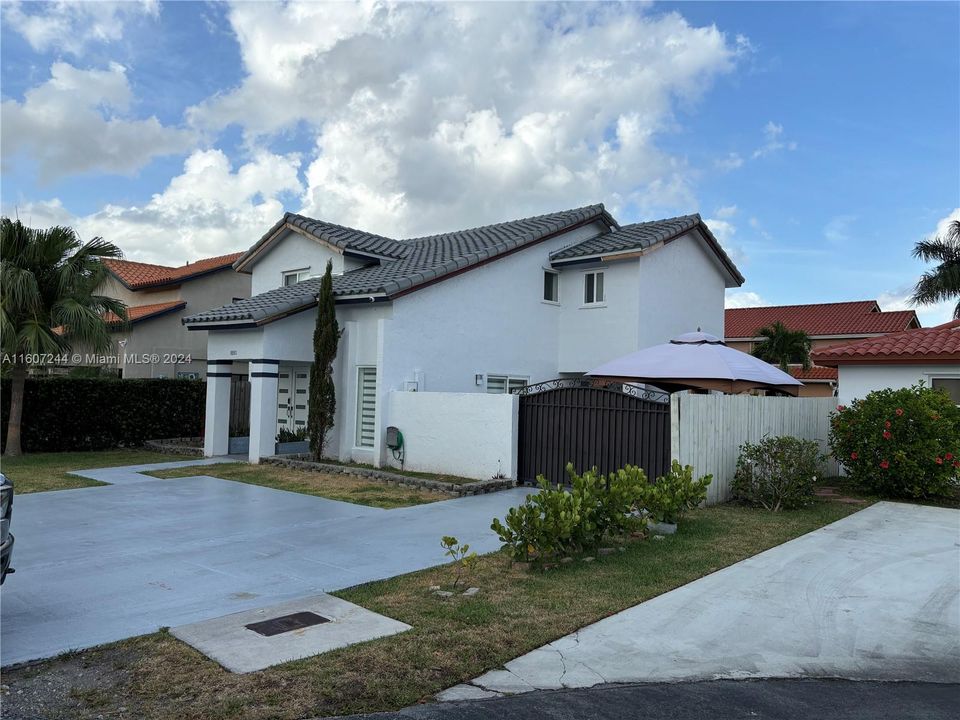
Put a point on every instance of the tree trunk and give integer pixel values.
(18, 376)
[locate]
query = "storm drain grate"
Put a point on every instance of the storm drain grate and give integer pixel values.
(286, 623)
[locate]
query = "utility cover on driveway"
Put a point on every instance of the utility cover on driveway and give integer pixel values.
(294, 630)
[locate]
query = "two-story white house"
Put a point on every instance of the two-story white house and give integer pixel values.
(483, 310)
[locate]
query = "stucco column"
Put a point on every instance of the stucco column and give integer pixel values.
(263, 408)
(216, 428)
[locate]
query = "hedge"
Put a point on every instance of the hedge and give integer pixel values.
(68, 414)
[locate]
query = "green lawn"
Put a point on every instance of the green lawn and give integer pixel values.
(39, 472)
(156, 677)
(335, 486)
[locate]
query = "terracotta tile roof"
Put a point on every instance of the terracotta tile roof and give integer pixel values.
(136, 275)
(940, 344)
(136, 313)
(814, 374)
(861, 317)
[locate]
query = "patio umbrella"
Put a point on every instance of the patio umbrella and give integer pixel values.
(697, 360)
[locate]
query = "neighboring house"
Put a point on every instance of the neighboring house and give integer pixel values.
(825, 323)
(897, 360)
(153, 343)
(484, 310)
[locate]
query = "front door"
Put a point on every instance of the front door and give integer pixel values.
(293, 398)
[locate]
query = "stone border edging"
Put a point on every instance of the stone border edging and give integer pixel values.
(176, 446)
(479, 487)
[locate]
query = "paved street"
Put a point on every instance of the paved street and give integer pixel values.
(104, 563)
(718, 700)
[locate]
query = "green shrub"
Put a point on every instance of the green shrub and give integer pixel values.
(68, 414)
(899, 443)
(669, 497)
(564, 521)
(777, 472)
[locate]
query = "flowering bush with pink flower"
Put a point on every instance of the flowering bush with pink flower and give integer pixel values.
(900, 443)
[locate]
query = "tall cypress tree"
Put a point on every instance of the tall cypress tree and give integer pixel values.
(323, 394)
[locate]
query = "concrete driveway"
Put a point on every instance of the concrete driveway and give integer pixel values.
(100, 564)
(875, 596)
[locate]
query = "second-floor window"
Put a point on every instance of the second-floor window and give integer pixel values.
(593, 288)
(551, 286)
(292, 277)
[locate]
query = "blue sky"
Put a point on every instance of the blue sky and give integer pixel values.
(819, 140)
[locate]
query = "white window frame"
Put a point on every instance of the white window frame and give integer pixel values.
(556, 274)
(357, 436)
(508, 380)
(602, 302)
(301, 274)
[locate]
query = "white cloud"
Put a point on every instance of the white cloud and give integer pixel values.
(743, 299)
(941, 230)
(209, 209)
(75, 122)
(838, 229)
(731, 161)
(71, 26)
(430, 117)
(724, 230)
(773, 141)
(899, 298)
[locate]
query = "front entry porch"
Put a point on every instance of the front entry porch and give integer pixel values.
(279, 406)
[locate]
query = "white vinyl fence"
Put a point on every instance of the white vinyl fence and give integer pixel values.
(707, 430)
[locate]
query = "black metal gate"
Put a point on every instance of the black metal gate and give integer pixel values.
(591, 424)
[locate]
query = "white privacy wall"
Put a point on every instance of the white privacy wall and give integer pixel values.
(708, 430)
(858, 381)
(471, 435)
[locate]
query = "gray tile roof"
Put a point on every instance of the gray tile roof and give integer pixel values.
(415, 261)
(643, 235)
(338, 236)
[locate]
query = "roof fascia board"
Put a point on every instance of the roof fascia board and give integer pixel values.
(360, 299)
(855, 336)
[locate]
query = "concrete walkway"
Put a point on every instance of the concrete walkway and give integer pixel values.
(875, 596)
(100, 564)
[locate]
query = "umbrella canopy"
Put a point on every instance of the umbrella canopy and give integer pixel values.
(698, 360)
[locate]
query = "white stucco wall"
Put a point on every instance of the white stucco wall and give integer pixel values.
(488, 320)
(857, 381)
(465, 434)
(681, 287)
(292, 252)
(590, 334)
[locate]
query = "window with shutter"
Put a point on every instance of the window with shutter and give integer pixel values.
(366, 405)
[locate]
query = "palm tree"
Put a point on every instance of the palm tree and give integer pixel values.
(48, 280)
(782, 346)
(942, 282)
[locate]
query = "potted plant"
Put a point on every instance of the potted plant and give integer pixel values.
(290, 442)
